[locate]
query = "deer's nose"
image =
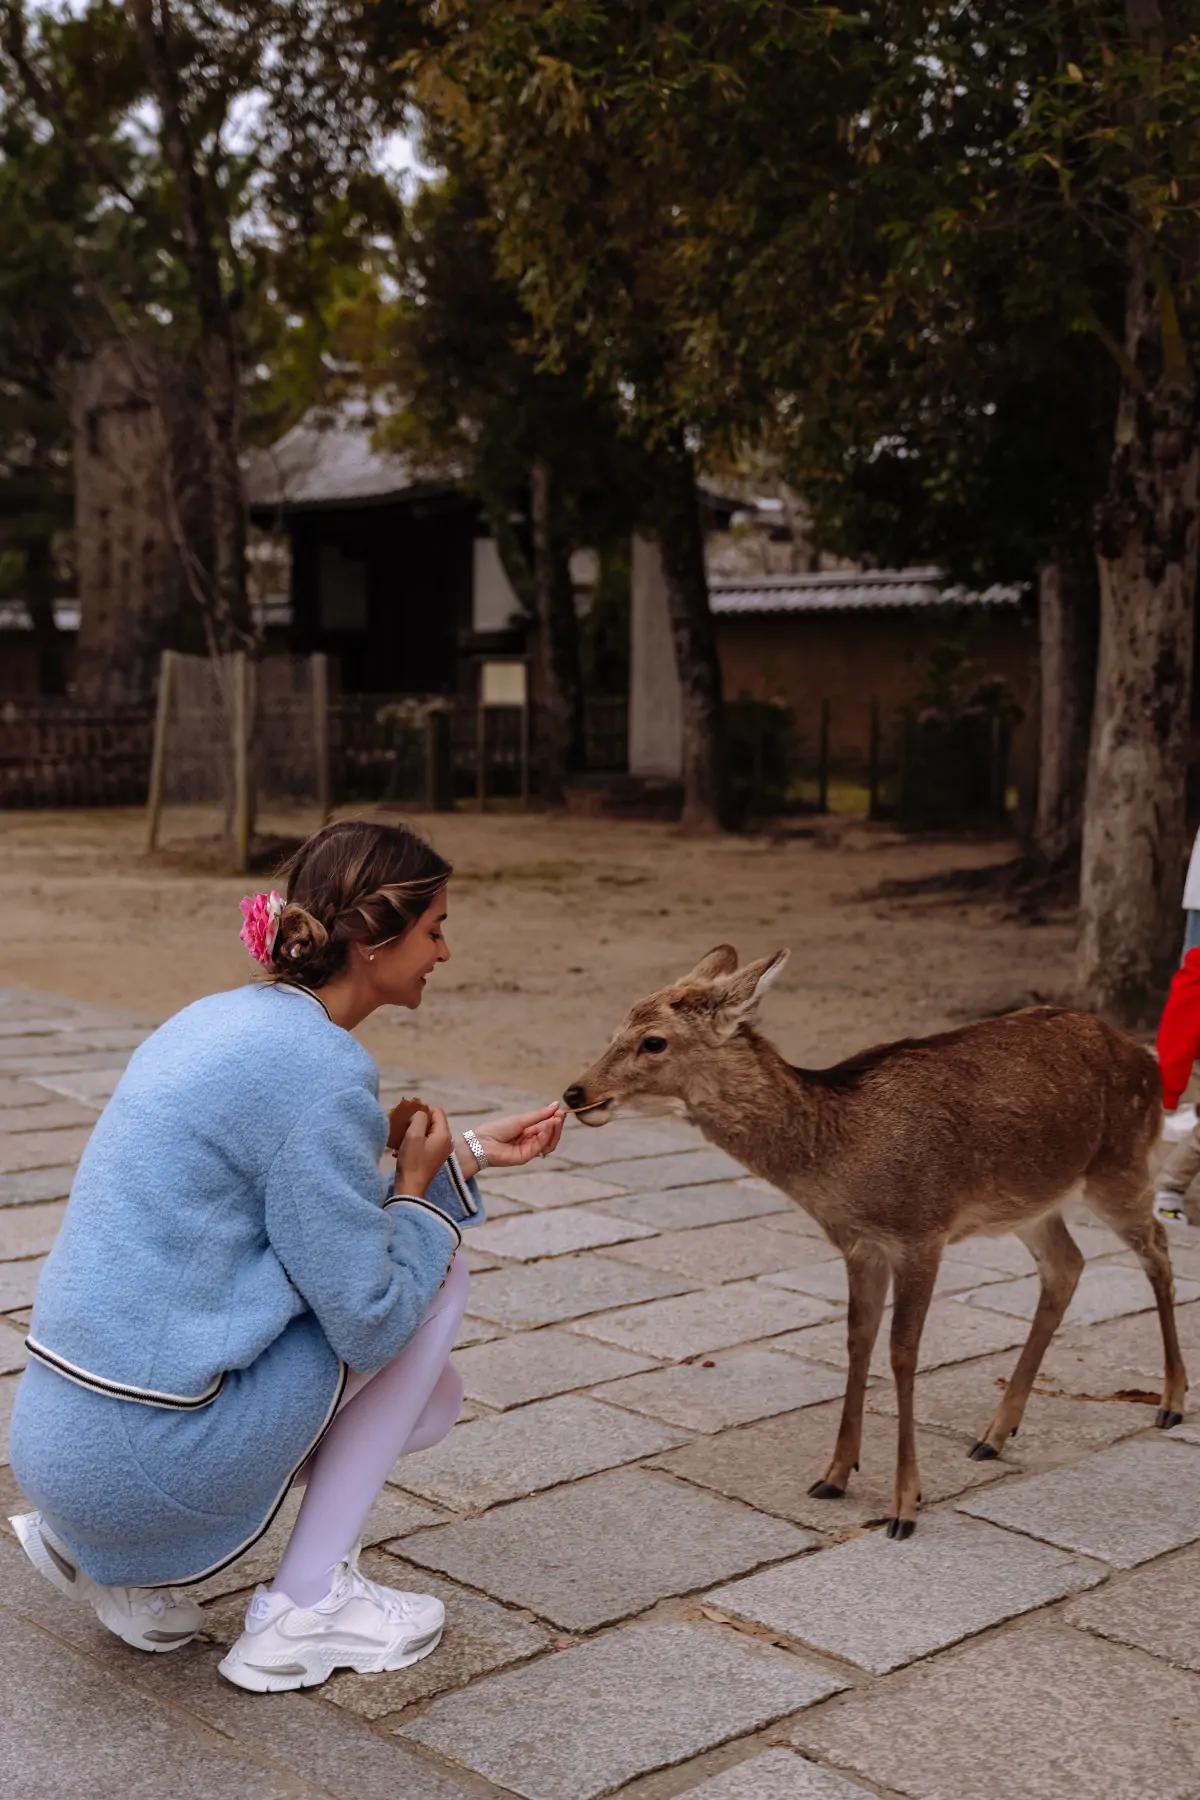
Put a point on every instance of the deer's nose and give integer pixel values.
(574, 1097)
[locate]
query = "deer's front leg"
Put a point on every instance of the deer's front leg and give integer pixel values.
(914, 1279)
(867, 1275)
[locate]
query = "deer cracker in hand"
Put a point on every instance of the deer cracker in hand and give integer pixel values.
(400, 1118)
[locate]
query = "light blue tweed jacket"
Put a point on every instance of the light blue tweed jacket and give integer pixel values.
(231, 1184)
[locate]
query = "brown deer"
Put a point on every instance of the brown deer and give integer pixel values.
(906, 1148)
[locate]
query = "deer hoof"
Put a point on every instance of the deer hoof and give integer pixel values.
(983, 1452)
(825, 1490)
(901, 1528)
(1166, 1420)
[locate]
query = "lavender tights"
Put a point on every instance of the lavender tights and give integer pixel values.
(408, 1405)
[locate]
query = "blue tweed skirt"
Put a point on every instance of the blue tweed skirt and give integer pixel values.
(148, 1496)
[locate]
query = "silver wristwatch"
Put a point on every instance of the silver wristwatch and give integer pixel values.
(475, 1146)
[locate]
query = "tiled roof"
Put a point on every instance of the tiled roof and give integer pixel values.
(328, 459)
(875, 590)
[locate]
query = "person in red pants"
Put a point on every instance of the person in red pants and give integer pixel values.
(1178, 1048)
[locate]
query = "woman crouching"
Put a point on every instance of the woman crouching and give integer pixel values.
(234, 1301)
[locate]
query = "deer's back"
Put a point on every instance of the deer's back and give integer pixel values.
(1022, 1105)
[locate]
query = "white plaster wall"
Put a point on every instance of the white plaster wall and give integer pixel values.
(655, 711)
(493, 601)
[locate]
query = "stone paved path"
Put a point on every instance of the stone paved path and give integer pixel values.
(641, 1597)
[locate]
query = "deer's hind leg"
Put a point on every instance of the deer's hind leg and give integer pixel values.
(867, 1275)
(1060, 1264)
(1126, 1206)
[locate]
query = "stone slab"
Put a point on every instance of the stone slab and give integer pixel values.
(528, 1449)
(537, 1364)
(777, 1775)
(29, 1230)
(826, 1278)
(684, 1168)
(35, 1185)
(40, 1149)
(1057, 1427)
(73, 1729)
(714, 1320)
(14, 1093)
(953, 1333)
(54, 1115)
(1154, 1609)
(795, 1221)
(548, 1188)
(475, 1331)
(581, 1722)
(532, 1236)
(1034, 1713)
(772, 1465)
(624, 1140)
(712, 1253)
(13, 1354)
(1187, 1433)
(91, 1086)
(880, 1604)
(18, 1281)
(566, 1289)
(1006, 1255)
(1125, 1506)
(606, 1548)
(730, 1389)
(61, 1067)
(688, 1208)
(1105, 1291)
(391, 1516)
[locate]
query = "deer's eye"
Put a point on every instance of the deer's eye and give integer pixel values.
(654, 1045)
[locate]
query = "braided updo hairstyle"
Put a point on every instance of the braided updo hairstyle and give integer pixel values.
(352, 882)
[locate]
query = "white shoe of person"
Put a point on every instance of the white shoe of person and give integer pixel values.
(155, 1619)
(359, 1625)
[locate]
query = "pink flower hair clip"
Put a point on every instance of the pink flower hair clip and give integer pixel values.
(261, 913)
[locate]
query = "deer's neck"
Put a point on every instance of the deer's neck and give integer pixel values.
(754, 1108)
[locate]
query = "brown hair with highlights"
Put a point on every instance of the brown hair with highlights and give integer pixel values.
(352, 882)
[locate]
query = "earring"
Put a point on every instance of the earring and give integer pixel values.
(371, 958)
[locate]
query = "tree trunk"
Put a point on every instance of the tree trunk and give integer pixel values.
(681, 545)
(561, 741)
(1134, 816)
(1067, 662)
(47, 639)
(228, 610)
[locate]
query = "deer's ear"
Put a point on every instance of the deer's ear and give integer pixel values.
(742, 992)
(721, 961)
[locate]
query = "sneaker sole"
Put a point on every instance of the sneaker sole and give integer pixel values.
(75, 1586)
(316, 1666)
(79, 1586)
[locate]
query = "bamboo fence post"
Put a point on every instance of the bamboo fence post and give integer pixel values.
(319, 663)
(162, 715)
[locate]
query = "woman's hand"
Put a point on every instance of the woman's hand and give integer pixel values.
(423, 1149)
(513, 1141)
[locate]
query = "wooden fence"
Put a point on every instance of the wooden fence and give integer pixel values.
(60, 754)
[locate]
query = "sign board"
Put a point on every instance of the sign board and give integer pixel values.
(503, 684)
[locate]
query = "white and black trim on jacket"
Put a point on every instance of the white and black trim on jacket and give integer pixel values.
(123, 1390)
(428, 1207)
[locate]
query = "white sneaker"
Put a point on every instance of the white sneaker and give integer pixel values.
(148, 1618)
(358, 1625)
(1169, 1207)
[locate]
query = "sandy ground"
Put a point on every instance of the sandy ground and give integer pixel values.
(556, 925)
